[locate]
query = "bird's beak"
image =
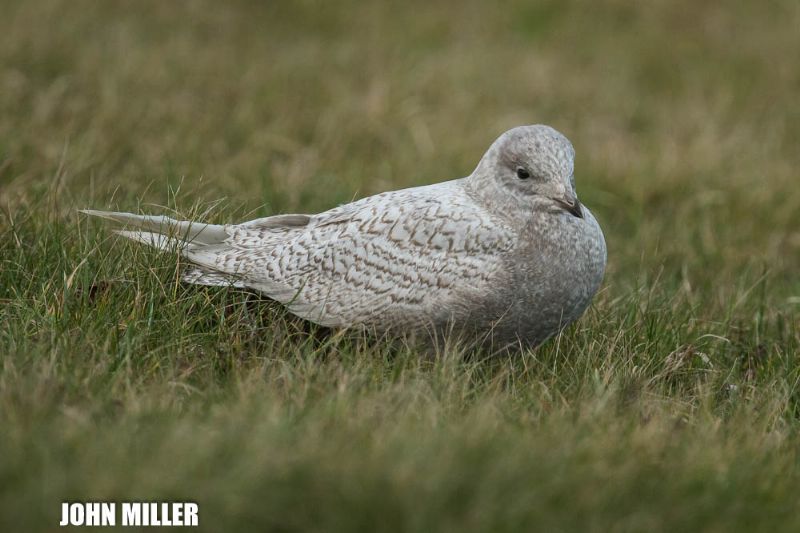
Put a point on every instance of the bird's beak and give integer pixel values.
(570, 204)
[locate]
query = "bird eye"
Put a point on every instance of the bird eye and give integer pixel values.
(522, 173)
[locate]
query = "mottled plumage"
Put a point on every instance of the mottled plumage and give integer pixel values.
(506, 254)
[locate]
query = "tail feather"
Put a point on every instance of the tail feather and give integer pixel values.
(150, 238)
(166, 233)
(156, 240)
(175, 231)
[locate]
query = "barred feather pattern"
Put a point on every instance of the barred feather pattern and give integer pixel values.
(398, 259)
(507, 252)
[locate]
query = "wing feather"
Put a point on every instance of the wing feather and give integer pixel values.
(401, 258)
(404, 258)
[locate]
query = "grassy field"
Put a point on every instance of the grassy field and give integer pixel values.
(673, 405)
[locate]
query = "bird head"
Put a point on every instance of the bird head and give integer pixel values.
(530, 167)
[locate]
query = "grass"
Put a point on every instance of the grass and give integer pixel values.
(674, 404)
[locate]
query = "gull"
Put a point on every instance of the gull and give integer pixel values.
(507, 255)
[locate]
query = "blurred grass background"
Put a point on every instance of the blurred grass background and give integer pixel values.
(672, 405)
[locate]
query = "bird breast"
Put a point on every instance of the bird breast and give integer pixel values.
(559, 267)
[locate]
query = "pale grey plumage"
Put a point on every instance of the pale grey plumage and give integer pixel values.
(507, 254)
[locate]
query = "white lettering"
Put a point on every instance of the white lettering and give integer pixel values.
(92, 514)
(88, 514)
(165, 518)
(154, 518)
(76, 514)
(190, 509)
(109, 514)
(135, 514)
(64, 514)
(131, 514)
(177, 514)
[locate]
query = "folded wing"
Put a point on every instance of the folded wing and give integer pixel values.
(396, 259)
